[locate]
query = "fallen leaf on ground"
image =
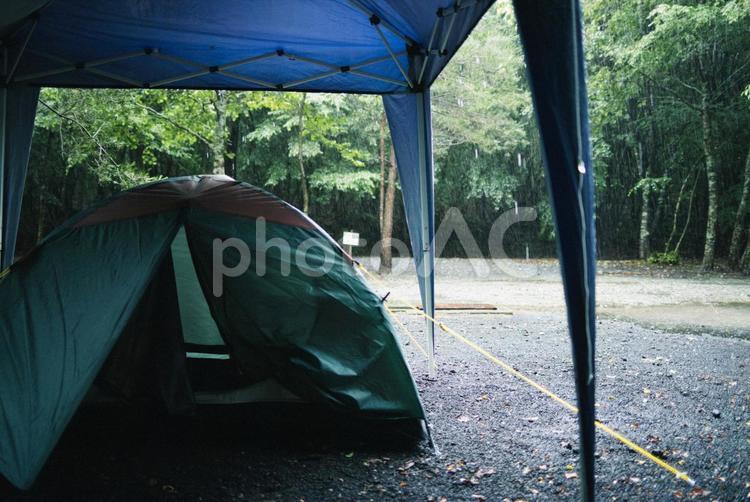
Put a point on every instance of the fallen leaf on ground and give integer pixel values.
(408, 465)
(479, 474)
(697, 491)
(456, 466)
(484, 472)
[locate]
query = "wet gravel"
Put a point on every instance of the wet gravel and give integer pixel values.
(659, 389)
(684, 397)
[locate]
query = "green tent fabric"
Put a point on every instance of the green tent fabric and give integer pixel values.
(116, 295)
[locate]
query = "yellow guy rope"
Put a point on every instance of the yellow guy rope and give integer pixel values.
(507, 367)
(408, 333)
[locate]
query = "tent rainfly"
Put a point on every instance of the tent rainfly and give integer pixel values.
(395, 49)
(128, 289)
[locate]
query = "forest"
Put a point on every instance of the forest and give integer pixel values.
(669, 101)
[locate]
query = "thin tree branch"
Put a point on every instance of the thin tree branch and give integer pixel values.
(671, 92)
(83, 128)
(186, 129)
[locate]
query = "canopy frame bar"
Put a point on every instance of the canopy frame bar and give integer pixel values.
(79, 66)
(448, 32)
(388, 26)
(348, 69)
(375, 21)
(306, 80)
(374, 76)
(428, 53)
(69, 66)
(442, 13)
(334, 69)
(92, 67)
(458, 6)
(245, 78)
(9, 74)
(205, 70)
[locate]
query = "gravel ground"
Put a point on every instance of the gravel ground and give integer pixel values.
(683, 396)
(659, 389)
(673, 298)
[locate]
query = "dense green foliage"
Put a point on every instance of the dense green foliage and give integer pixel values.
(670, 111)
(670, 124)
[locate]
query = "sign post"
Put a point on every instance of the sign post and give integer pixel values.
(350, 239)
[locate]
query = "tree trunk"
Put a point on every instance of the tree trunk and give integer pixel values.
(644, 166)
(219, 143)
(644, 236)
(739, 220)
(300, 139)
(687, 220)
(386, 251)
(745, 261)
(232, 146)
(381, 200)
(676, 214)
(713, 200)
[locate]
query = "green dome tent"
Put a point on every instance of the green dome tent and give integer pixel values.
(122, 292)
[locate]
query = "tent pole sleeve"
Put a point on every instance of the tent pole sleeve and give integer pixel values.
(17, 119)
(552, 42)
(411, 131)
(426, 275)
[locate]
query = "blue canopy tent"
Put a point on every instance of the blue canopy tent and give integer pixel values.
(393, 48)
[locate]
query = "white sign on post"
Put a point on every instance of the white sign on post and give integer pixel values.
(351, 239)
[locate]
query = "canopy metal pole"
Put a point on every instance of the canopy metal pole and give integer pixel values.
(449, 30)
(3, 110)
(429, 49)
(426, 273)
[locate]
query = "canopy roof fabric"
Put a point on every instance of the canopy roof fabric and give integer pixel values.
(362, 46)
